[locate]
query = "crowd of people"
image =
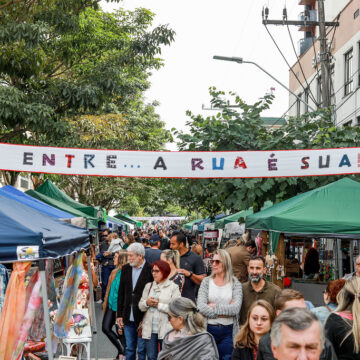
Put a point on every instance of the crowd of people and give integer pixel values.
(162, 300)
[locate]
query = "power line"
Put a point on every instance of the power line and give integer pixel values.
(283, 56)
(299, 62)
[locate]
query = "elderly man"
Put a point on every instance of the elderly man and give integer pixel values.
(297, 334)
(134, 277)
(356, 272)
(286, 299)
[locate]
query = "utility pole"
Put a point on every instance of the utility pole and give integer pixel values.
(324, 57)
(324, 51)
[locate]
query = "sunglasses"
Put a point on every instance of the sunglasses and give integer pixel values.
(215, 262)
(155, 271)
(358, 264)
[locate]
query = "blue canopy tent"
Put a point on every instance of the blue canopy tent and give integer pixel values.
(15, 194)
(200, 225)
(29, 235)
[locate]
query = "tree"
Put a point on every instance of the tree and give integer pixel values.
(243, 129)
(63, 60)
(73, 75)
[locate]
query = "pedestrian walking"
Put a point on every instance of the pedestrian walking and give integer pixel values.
(297, 334)
(107, 261)
(330, 294)
(172, 257)
(110, 305)
(153, 252)
(342, 327)
(188, 339)
(134, 276)
(191, 265)
(258, 322)
(155, 303)
(257, 288)
(219, 300)
(287, 299)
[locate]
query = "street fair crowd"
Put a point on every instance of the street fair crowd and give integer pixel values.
(165, 296)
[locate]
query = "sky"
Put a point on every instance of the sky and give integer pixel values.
(205, 28)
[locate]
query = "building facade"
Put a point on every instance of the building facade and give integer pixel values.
(344, 45)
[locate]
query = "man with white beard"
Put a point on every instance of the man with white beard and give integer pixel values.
(134, 276)
(257, 288)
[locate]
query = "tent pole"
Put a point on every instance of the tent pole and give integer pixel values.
(46, 308)
(91, 286)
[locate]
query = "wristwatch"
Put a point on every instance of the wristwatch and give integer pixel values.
(191, 274)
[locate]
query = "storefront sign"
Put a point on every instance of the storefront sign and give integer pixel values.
(211, 234)
(186, 164)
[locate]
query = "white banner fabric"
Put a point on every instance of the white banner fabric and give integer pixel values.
(186, 164)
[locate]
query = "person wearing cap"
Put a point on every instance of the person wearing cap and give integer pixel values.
(153, 253)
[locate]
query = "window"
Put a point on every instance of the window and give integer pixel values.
(306, 99)
(348, 123)
(348, 83)
(332, 84)
(318, 91)
(358, 121)
(298, 106)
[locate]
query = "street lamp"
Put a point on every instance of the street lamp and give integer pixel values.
(240, 60)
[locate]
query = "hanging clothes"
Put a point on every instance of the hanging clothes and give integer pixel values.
(4, 280)
(34, 288)
(13, 310)
(37, 331)
(68, 299)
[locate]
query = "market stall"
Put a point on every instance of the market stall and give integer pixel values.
(29, 235)
(324, 220)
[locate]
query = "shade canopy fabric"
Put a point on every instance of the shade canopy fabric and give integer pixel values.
(15, 194)
(220, 224)
(111, 220)
(27, 234)
(128, 220)
(190, 224)
(91, 222)
(328, 211)
(200, 225)
(52, 191)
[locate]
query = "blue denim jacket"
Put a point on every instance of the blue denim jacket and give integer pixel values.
(322, 312)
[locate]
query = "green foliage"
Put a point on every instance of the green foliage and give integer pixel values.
(242, 129)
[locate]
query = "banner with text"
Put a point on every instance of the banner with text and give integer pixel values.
(185, 164)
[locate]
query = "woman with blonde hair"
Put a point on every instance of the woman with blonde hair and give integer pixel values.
(219, 300)
(188, 339)
(342, 326)
(110, 303)
(258, 323)
(172, 257)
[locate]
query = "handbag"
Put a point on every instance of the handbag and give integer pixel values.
(139, 329)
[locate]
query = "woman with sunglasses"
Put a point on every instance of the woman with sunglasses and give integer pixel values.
(155, 303)
(188, 338)
(219, 300)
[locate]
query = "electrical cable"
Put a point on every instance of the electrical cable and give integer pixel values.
(290, 68)
(299, 62)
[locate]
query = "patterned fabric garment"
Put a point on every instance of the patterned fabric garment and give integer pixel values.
(34, 288)
(13, 310)
(4, 280)
(68, 299)
(37, 331)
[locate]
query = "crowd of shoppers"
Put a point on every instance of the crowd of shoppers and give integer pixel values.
(164, 304)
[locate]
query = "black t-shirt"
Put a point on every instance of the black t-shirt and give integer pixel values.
(336, 329)
(191, 262)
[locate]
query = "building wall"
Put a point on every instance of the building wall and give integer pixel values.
(347, 37)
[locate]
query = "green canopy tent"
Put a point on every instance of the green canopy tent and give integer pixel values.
(330, 211)
(91, 222)
(52, 191)
(128, 220)
(220, 224)
(190, 224)
(110, 219)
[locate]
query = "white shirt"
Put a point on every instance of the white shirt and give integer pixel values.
(220, 295)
